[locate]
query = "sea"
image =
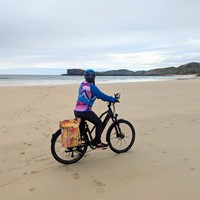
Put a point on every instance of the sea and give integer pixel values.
(47, 80)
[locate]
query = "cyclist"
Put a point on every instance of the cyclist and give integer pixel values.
(87, 94)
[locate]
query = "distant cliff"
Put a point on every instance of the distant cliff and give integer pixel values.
(76, 72)
(190, 68)
(121, 72)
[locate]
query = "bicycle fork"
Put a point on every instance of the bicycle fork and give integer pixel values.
(119, 133)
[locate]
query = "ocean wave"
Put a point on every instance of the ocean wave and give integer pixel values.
(42, 80)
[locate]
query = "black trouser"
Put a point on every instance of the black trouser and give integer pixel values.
(93, 118)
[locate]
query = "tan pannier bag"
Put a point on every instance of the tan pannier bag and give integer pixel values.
(70, 133)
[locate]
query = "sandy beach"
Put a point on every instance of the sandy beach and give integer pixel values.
(164, 163)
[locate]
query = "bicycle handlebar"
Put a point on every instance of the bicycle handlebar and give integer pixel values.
(117, 95)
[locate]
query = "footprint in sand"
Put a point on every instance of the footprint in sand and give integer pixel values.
(33, 172)
(31, 189)
(27, 144)
(99, 186)
(3, 128)
(46, 135)
(76, 176)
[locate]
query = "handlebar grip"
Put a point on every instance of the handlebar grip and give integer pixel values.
(117, 95)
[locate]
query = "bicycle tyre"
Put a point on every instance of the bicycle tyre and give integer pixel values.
(67, 155)
(121, 143)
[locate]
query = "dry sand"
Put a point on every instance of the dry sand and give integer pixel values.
(164, 163)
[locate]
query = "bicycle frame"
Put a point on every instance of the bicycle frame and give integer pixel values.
(110, 114)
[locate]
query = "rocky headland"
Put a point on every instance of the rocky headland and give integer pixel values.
(187, 69)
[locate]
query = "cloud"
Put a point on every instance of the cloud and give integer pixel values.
(103, 34)
(139, 58)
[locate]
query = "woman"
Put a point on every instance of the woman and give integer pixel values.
(87, 94)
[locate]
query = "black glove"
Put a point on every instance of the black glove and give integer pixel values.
(116, 100)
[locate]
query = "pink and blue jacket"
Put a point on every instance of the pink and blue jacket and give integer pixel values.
(87, 95)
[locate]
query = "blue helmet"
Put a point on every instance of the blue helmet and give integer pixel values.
(90, 75)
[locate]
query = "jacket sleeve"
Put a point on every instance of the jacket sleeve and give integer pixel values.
(100, 95)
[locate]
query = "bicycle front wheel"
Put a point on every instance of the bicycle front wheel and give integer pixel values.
(121, 136)
(67, 155)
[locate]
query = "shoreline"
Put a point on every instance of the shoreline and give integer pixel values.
(31, 83)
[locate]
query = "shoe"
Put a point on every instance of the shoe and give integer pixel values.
(101, 146)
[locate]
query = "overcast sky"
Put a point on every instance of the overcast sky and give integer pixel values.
(49, 36)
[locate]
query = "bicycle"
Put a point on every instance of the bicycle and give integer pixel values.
(120, 137)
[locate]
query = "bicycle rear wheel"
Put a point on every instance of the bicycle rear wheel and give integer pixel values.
(121, 136)
(67, 155)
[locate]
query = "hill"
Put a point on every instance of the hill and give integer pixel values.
(190, 68)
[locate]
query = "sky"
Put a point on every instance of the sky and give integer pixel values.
(50, 36)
